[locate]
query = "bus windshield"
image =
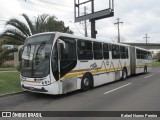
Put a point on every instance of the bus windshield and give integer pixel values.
(36, 56)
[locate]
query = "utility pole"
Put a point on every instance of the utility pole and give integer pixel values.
(146, 37)
(118, 22)
(85, 22)
(93, 22)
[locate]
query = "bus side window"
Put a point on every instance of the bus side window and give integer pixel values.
(110, 47)
(97, 48)
(127, 52)
(123, 52)
(106, 51)
(145, 54)
(69, 52)
(142, 54)
(115, 52)
(138, 53)
(149, 56)
(84, 50)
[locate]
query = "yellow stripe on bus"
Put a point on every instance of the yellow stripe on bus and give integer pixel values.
(80, 73)
(98, 71)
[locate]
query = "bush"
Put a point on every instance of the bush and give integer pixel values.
(7, 66)
(18, 67)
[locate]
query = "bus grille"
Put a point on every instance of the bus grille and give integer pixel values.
(69, 84)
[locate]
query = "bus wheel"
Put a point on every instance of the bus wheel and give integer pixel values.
(86, 82)
(145, 70)
(124, 74)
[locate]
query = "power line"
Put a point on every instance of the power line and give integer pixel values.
(44, 1)
(40, 5)
(77, 27)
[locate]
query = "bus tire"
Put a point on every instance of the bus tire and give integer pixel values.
(86, 82)
(145, 70)
(124, 74)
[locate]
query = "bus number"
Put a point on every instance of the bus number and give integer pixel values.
(93, 66)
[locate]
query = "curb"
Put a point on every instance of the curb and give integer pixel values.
(9, 71)
(9, 94)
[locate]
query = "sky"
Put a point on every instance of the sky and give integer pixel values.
(139, 17)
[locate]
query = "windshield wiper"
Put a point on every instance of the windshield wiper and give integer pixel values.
(28, 51)
(41, 46)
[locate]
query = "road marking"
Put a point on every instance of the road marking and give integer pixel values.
(117, 88)
(148, 76)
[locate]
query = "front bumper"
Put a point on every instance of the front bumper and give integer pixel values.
(49, 89)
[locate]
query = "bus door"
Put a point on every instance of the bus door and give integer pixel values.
(67, 58)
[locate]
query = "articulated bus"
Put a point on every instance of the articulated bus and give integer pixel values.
(58, 63)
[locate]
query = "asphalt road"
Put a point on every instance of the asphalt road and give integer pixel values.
(137, 93)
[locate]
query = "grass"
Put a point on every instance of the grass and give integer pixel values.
(7, 69)
(155, 64)
(9, 82)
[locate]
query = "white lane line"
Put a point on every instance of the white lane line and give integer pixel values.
(117, 88)
(148, 76)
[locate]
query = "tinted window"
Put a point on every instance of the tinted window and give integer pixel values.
(97, 48)
(36, 56)
(106, 51)
(85, 50)
(69, 52)
(39, 38)
(68, 56)
(149, 55)
(141, 54)
(126, 52)
(115, 52)
(138, 52)
(123, 52)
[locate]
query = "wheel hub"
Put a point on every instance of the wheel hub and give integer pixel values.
(86, 81)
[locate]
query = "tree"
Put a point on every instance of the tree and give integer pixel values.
(20, 31)
(44, 23)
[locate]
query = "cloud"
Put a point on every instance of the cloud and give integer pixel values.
(140, 17)
(9, 8)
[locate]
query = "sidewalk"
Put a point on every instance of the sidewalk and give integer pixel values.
(9, 71)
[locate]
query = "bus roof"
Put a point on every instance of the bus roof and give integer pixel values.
(142, 49)
(83, 38)
(87, 38)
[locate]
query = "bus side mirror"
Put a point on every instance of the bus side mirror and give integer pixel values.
(62, 42)
(20, 48)
(61, 45)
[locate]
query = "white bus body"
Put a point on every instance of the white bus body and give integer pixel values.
(58, 63)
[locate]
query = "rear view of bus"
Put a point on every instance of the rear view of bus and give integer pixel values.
(35, 65)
